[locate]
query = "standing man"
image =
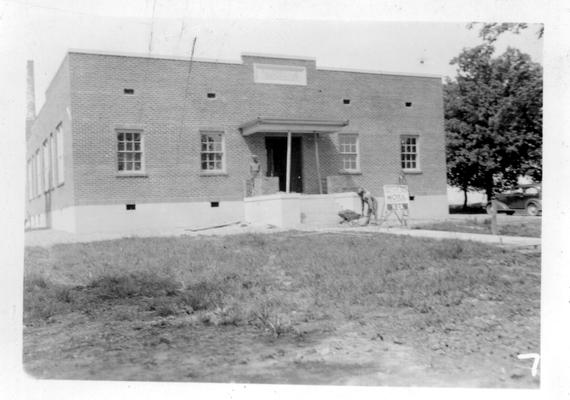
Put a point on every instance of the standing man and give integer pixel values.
(402, 179)
(371, 203)
(254, 172)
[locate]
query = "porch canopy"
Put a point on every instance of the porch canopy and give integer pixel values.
(290, 126)
(304, 126)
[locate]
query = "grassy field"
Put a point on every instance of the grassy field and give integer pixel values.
(361, 309)
(529, 227)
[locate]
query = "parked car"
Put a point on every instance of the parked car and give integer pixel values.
(523, 197)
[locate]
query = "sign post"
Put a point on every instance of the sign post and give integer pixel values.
(397, 202)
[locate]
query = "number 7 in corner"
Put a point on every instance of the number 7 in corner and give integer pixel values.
(534, 356)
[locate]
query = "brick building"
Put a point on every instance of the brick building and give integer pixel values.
(126, 142)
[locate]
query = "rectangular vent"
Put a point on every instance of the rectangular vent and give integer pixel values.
(129, 91)
(346, 101)
(215, 204)
(408, 103)
(211, 95)
(280, 74)
(131, 206)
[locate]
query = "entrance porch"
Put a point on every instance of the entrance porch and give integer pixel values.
(290, 152)
(290, 210)
(279, 195)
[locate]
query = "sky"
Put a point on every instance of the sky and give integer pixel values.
(47, 32)
(410, 36)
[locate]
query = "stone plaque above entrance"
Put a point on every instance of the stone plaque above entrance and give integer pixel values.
(280, 74)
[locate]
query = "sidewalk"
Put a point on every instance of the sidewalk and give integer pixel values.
(476, 237)
(48, 237)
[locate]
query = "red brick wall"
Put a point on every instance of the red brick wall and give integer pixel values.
(53, 112)
(171, 122)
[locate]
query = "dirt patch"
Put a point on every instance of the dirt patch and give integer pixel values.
(354, 354)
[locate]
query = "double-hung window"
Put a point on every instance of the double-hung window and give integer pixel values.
(53, 153)
(349, 152)
(38, 174)
(212, 151)
(129, 152)
(29, 175)
(59, 151)
(409, 153)
(46, 158)
(34, 176)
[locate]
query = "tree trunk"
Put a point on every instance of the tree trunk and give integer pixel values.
(489, 186)
(494, 229)
(464, 199)
(489, 193)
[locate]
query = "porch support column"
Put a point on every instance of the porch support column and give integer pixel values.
(288, 177)
(318, 163)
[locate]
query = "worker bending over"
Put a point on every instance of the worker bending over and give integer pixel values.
(371, 204)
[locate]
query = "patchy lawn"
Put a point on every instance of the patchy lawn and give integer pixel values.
(529, 227)
(307, 308)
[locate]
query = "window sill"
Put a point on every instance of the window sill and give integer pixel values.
(132, 175)
(214, 173)
(346, 172)
(413, 171)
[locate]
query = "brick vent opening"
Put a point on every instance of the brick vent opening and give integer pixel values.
(408, 103)
(211, 95)
(131, 206)
(129, 91)
(215, 204)
(346, 101)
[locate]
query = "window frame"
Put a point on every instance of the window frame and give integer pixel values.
(133, 172)
(342, 153)
(46, 166)
(59, 148)
(38, 173)
(53, 160)
(404, 152)
(34, 175)
(29, 177)
(210, 172)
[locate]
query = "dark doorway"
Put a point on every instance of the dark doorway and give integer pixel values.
(277, 161)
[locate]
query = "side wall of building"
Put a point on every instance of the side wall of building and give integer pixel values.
(52, 205)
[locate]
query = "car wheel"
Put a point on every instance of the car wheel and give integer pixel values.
(532, 209)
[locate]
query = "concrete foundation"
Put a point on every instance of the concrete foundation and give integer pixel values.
(292, 210)
(145, 216)
(280, 209)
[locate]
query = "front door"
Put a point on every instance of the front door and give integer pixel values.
(277, 162)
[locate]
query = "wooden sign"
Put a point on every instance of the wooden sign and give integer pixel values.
(396, 197)
(396, 201)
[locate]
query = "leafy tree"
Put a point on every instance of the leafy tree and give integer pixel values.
(490, 32)
(493, 119)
